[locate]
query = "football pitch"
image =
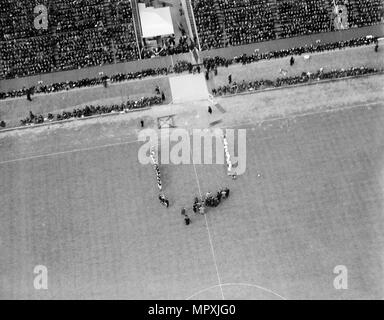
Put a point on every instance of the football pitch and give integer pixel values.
(311, 199)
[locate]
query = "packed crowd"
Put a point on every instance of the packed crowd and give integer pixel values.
(169, 47)
(23, 57)
(77, 15)
(212, 63)
(79, 34)
(83, 33)
(364, 12)
(182, 66)
(179, 67)
(248, 21)
(235, 22)
(302, 17)
(208, 25)
(15, 18)
(91, 110)
(244, 86)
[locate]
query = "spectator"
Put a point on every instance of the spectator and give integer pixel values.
(257, 56)
(182, 66)
(209, 29)
(79, 35)
(287, 81)
(96, 32)
(248, 21)
(94, 110)
(169, 47)
(301, 17)
(29, 92)
(363, 12)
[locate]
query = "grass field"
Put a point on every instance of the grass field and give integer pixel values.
(77, 201)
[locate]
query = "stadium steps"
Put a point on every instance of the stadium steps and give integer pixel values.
(221, 19)
(277, 24)
(331, 13)
(278, 21)
(136, 21)
(191, 17)
(110, 23)
(107, 11)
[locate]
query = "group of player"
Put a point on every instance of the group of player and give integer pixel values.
(208, 201)
(158, 176)
(227, 155)
(199, 206)
(156, 168)
(164, 200)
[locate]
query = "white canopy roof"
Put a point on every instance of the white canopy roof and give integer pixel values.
(155, 21)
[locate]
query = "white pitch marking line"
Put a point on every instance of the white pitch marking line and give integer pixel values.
(69, 151)
(306, 114)
(209, 235)
(233, 126)
(237, 284)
